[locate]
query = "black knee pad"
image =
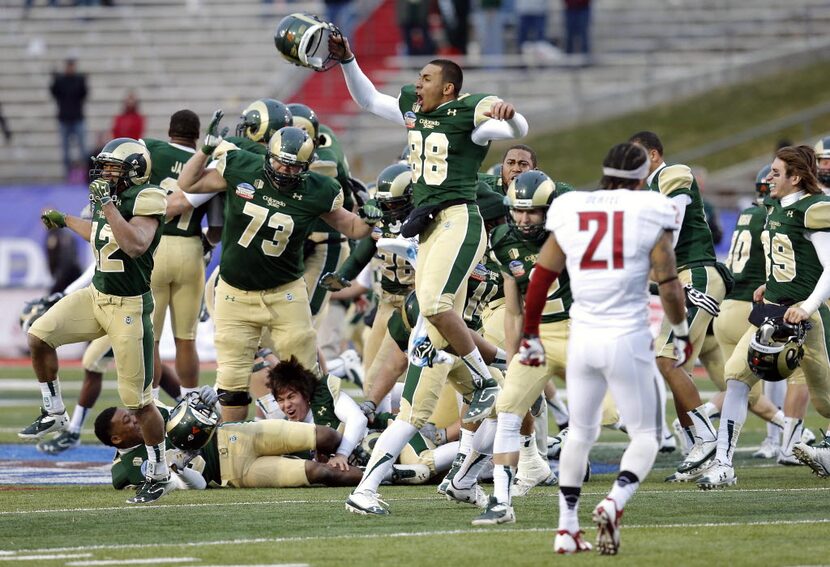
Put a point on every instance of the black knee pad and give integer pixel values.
(233, 398)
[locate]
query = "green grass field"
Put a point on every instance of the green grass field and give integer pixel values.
(775, 516)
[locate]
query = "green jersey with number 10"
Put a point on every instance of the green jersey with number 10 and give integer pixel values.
(444, 159)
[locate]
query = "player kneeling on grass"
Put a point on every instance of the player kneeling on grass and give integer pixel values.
(253, 454)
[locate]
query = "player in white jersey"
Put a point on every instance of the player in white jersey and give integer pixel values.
(609, 240)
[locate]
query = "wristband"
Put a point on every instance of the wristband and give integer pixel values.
(681, 329)
(349, 60)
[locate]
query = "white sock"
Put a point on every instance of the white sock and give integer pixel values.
(78, 418)
(502, 480)
(156, 462)
(702, 426)
(485, 437)
(51, 394)
(476, 365)
(500, 360)
(507, 433)
(387, 449)
(624, 488)
(709, 409)
(473, 464)
(185, 390)
(569, 508)
(527, 447)
(156, 393)
(777, 423)
(732, 418)
(466, 441)
(792, 434)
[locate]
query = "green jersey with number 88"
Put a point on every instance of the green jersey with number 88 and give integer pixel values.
(444, 159)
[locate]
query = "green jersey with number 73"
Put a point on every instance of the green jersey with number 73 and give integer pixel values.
(444, 159)
(265, 228)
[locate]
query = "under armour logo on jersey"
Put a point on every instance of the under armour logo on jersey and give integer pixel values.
(452, 112)
(230, 298)
(297, 196)
(321, 412)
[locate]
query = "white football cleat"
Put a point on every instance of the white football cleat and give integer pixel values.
(570, 542)
(718, 475)
(366, 502)
(769, 449)
(410, 474)
(807, 436)
(352, 367)
(689, 476)
(495, 513)
(607, 518)
(668, 444)
(682, 439)
(701, 452)
(788, 459)
(531, 472)
(473, 495)
(817, 458)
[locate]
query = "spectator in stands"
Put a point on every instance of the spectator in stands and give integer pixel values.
(341, 13)
(455, 14)
(489, 27)
(5, 127)
(413, 16)
(130, 123)
(70, 91)
(577, 26)
(533, 21)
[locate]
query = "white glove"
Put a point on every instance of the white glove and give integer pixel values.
(682, 349)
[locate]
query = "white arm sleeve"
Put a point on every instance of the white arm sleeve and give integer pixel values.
(681, 202)
(364, 278)
(490, 130)
(199, 199)
(356, 424)
(367, 96)
(821, 242)
(83, 280)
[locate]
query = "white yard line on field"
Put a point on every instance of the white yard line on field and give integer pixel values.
(431, 534)
(133, 561)
(43, 557)
(340, 501)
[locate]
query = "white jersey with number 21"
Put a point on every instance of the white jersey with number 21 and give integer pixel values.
(607, 237)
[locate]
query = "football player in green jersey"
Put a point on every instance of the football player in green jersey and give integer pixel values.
(449, 134)
(517, 159)
(179, 273)
(697, 270)
(796, 240)
(253, 454)
(125, 230)
(258, 122)
(823, 156)
(271, 202)
(394, 197)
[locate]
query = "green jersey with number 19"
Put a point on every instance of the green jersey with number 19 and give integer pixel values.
(168, 160)
(794, 267)
(444, 159)
(116, 273)
(265, 228)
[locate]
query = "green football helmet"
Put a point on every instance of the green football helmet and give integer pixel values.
(262, 118)
(761, 183)
(305, 118)
(823, 152)
(299, 38)
(394, 193)
(289, 146)
(130, 157)
(191, 423)
(530, 190)
(776, 349)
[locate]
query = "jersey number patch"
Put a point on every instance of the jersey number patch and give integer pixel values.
(428, 157)
(599, 221)
(282, 224)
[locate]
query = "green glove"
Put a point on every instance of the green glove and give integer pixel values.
(213, 137)
(370, 214)
(332, 281)
(99, 190)
(53, 219)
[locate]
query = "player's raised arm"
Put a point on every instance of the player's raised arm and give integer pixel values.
(360, 87)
